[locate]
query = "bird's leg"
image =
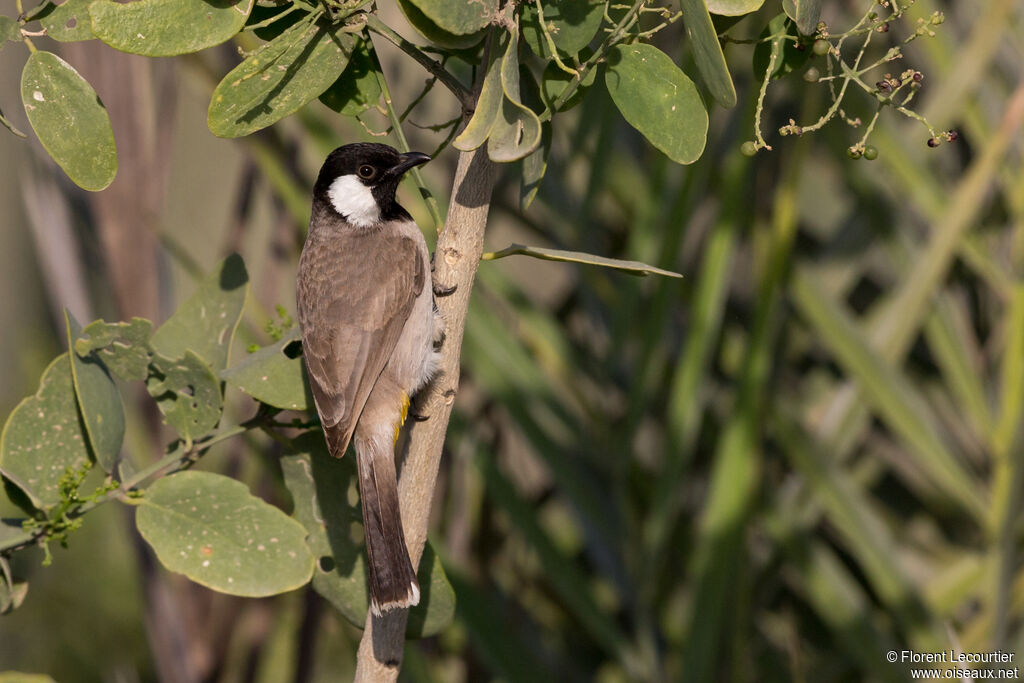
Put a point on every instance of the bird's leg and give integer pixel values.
(439, 289)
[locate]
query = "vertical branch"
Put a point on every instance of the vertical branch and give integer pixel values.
(458, 254)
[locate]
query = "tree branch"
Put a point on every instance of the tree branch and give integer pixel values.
(459, 248)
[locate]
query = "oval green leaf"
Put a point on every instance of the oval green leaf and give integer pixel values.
(571, 23)
(321, 488)
(69, 21)
(211, 529)
(99, 401)
(43, 437)
(162, 28)
(9, 30)
(71, 122)
(658, 99)
(205, 324)
(458, 16)
(707, 52)
(434, 33)
(275, 81)
(274, 375)
(357, 88)
(733, 8)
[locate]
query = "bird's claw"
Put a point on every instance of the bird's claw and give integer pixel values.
(441, 290)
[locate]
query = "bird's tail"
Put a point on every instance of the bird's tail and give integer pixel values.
(392, 578)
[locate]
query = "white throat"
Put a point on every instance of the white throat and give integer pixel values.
(354, 201)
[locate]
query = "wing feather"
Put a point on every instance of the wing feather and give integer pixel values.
(355, 293)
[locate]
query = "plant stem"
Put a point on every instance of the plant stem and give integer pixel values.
(451, 82)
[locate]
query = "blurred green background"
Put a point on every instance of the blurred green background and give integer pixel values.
(803, 455)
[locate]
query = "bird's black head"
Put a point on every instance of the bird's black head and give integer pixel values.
(359, 182)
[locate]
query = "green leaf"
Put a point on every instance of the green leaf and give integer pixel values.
(288, 15)
(457, 16)
(733, 8)
(9, 30)
(99, 401)
(357, 88)
(278, 79)
(187, 393)
(808, 12)
(488, 104)
(516, 130)
(206, 323)
(11, 598)
(321, 488)
(123, 347)
(657, 99)
(274, 375)
(534, 167)
(632, 267)
(69, 21)
(571, 23)
(434, 33)
(211, 529)
(162, 28)
(707, 52)
(18, 677)
(783, 40)
(43, 437)
(69, 119)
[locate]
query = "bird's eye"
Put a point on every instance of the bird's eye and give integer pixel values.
(366, 171)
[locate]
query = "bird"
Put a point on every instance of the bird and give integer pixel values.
(371, 337)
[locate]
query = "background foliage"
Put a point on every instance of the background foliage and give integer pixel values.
(800, 456)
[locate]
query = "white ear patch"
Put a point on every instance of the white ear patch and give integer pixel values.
(354, 201)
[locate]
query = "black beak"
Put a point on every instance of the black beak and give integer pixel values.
(408, 160)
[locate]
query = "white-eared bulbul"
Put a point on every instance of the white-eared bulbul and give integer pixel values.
(370, 334)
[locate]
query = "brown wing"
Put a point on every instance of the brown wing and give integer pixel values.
(355, 293)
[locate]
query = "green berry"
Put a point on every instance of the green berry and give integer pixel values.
(748, 148)
(870, 153)
(853, 153)
(821, 47)
(812, 75)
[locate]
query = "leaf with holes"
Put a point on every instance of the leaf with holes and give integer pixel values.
(357, 88)
(163, 28)
(274, 375)
(211, 529)
(657, 99)
(71, 122)
(99, 401)
(68, 22)
(457, 16)
(43, 437)
(571, 23)
(206, 323)
(278, 79)
(123, 347)
(324, 492)
(187, 393)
